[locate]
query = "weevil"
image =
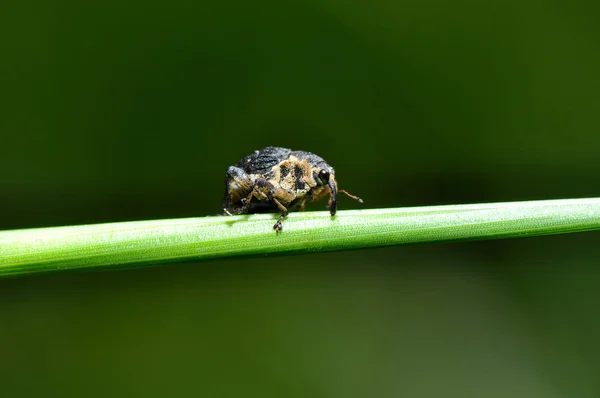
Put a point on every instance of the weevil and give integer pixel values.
(275, 179)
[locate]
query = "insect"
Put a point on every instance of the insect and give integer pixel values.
(278, 179)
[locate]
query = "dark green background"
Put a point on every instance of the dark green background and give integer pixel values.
(119, 111)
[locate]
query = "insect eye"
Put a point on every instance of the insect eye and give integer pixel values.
(324, 175)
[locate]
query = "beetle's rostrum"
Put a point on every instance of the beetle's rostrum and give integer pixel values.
(276, 179)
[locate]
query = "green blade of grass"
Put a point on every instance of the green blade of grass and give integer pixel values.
(134, 244)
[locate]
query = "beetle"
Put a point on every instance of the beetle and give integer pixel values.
(276, 179)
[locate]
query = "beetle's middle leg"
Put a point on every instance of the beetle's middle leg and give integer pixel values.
(284, 212)
(283, 195)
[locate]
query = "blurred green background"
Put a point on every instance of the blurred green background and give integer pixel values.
(130, 111)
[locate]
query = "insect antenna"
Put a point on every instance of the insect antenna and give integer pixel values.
(359, 200)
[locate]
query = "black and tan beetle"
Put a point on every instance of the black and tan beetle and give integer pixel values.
(278, 179)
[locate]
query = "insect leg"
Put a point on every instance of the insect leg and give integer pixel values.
(260, 190)
(248, 199)
(284, 212)
(237, 186)
(302, 206)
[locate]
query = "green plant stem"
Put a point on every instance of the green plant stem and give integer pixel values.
(133, 244)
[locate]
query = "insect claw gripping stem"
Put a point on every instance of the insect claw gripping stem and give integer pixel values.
(278, 227)
(284, 212)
